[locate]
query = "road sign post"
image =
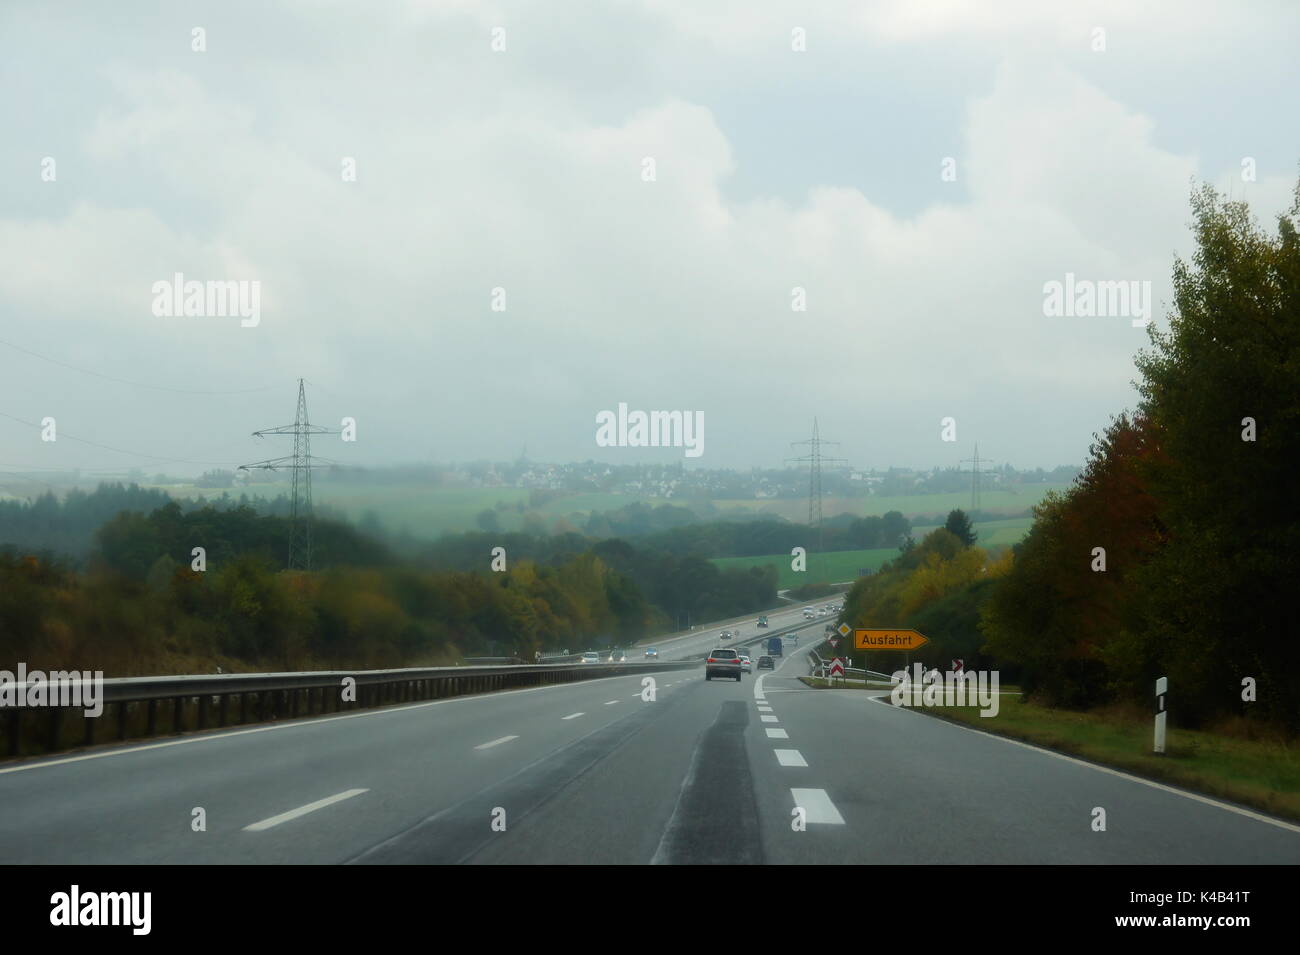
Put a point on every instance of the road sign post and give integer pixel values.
(1162, 689)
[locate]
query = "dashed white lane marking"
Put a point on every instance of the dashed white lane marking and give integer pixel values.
(1258, 817)
(777, 734)
(764, 708)
(495, 742)
(611, 702)
(274, 727)
(790, 757)
(573, 716)
(768, 719)
(303, 810)
(817, 806)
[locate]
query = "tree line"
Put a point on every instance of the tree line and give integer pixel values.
(1177, 550)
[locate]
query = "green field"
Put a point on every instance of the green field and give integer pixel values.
(839, 566)
(911, 505)
(989, 533)
(834, 568)
(424, 510)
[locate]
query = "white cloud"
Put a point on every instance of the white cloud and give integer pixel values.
(664, 294)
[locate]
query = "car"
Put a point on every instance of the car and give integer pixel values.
(591, 656)
(651, 652)
(617, 656)
(746, 663)
(808, 613)
(723, 661)
(762, 621)
(766, 663)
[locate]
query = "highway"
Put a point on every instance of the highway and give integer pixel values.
(594, 772)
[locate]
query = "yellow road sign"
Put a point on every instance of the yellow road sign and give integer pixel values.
(888, 639)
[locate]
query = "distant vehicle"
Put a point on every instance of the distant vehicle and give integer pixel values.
(745, 663)
(762, 621)
(808, 613)
(617, 656)
(725, 635)
(774, 646)
(766, 663)
(591, 656)
(651, 652)
(723, 662)
(822, 612)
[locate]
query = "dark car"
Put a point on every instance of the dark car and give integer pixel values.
(723, 662)
(766, 663)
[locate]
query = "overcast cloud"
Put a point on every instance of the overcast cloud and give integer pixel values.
(522, 169)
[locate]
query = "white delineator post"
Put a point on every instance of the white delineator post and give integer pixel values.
(1162, 688)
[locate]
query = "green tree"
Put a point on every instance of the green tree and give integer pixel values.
(1220, 388)
(958, 524)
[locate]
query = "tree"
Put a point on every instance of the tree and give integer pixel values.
(958, 524)
(1220, 390)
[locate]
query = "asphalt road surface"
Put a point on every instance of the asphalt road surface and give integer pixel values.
(599, 772)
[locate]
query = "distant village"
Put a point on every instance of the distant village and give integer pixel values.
(678, 481)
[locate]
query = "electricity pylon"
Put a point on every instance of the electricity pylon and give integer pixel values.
(301, 462)
(815, 459)
(975, 479)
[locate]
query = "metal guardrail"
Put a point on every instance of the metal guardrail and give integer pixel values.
(132, 704)
(818, 667)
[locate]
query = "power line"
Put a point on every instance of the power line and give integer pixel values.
(106, 447)
(127, 381)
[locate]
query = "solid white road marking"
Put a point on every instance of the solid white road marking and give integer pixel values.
(572, 716)
(495, 742)
(768, 719)
(790, 757)
(817, 806)
(777, 734)
(303, 810)
(1258, 817)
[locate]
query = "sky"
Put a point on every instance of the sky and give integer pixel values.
(474, 227)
